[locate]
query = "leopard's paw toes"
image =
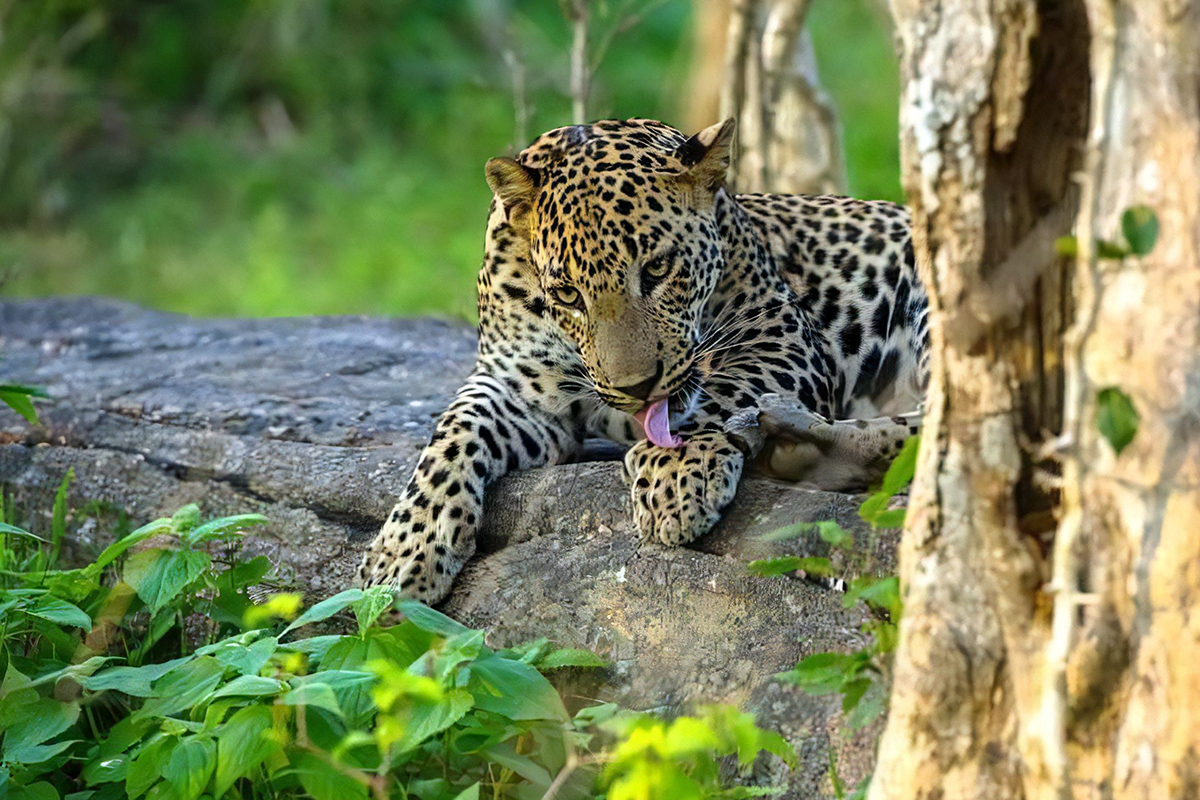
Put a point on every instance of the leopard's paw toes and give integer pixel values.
(678, 494)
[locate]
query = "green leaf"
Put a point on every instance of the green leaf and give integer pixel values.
(118, 548)
(185, 687)
(1110, 251)
(880, 592)
(34, 791)
(852, 692)
(148, 765)
(834, 534)
(18, 400)
(427, 619)
(326, 609)
(820, 673)
(515, 690)
(324, 782)
(318, 695)
(36, 723)
(191, 766)
(13, 529)
(158, 576)
(890, 518)
(903, 467)
(899, 475)
(570, 657)
(59, 611)
(133, 681)
(20, 388)
(687, 735)
(469, 793)
(778, 746)
(1140, 227)
(243, 743)
(426, 720)
(1116, 417)
(74, 671)
(186, 519)
(781, 565)
(240, 653)
(505, 754)
(828, 530)
(868, 708)
(1066, 247)
(375, 601)
(250, 686)
(596, 715)
(223, 528)
(315, 647)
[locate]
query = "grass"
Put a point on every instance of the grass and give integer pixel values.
(389, 221)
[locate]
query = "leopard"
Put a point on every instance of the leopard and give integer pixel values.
(627, 293)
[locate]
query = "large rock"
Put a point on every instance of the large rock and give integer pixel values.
(317, 422)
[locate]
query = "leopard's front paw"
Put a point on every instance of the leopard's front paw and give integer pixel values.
(428, 536)
(678, 494)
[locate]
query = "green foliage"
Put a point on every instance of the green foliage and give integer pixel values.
(20, 399)
(781, 565)
(899, 475)
(149, 674)
(282, 157)
(658, 759)
(861, 676)
(1139, 229)
(1139, 225)
(1116, 417)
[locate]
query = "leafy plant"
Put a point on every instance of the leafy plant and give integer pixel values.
(1116, 417)
(860, 676)
(657, 759)
(1139, 231)
(149, 674)
(20, 399)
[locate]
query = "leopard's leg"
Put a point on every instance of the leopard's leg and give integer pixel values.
(834, 455)
(525, 405)
(430, 533)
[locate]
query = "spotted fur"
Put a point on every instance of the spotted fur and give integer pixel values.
(618, 271)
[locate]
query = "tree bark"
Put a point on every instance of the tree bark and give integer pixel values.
(1051, 637)
(789, 134)
(1132, 686)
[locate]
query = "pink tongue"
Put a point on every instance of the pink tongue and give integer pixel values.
(657, 422)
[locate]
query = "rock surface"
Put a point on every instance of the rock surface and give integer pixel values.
(316, 423)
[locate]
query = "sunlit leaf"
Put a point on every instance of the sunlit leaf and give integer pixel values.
(1140, 228)
(326, 608)
(570, 657)
(781, 565)
(158, 576)
(61, 612)
(1116, 417)
(243, 743)
(191, 766)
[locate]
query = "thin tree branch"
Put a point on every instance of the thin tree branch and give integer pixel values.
(1066, 566)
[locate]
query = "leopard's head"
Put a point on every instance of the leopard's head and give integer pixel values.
(623, 237)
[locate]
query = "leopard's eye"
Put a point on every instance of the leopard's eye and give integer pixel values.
(659, 266)
(567, 296)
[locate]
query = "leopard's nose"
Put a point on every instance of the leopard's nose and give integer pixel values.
(641, 390)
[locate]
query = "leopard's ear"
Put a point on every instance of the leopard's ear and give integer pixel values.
(706, 155)
(514, 185)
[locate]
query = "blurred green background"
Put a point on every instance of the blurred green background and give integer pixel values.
(278, 157)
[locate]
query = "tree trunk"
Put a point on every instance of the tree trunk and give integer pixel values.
(789, 134)
(1131, 689)
(1050, 637)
